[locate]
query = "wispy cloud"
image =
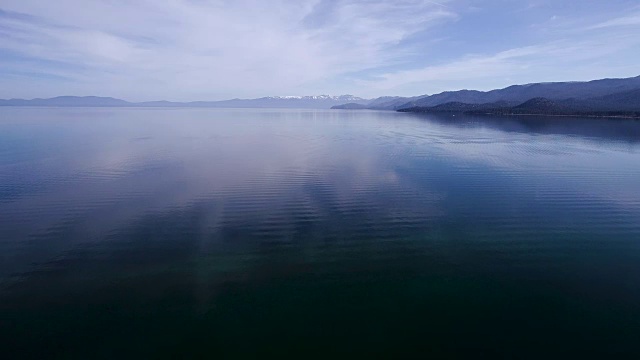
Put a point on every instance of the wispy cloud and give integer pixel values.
(630, 20)
(213, 49)
(572, 52)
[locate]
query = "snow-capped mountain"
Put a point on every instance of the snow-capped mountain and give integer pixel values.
(319, 97)
(300, 102)
(293, 102)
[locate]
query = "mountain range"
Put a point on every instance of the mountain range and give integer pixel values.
(606, 95)
(622, 104)
(299, 102)
(597, 97)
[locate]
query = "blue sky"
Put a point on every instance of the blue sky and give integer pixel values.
(208, 50)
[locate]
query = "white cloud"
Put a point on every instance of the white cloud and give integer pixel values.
(214, 49)
(575, 57)
(207, 49)
(631, 20)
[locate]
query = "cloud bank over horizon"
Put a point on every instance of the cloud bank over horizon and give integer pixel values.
(210, 50)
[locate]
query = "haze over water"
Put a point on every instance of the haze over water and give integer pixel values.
(229, 232)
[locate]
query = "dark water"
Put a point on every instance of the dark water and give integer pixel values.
(182, 233)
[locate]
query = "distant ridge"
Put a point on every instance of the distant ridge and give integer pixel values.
(351, 106)
(603, 93)
(623, 104)
(67, 101)
(304, 102)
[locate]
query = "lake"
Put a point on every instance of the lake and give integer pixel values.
(226, 233)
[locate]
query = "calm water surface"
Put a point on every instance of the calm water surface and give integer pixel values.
(175, 233)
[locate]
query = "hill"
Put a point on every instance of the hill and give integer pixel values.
(597, 91)
(298, 102)
(68, 101)
(616, 105)
(350, 106)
